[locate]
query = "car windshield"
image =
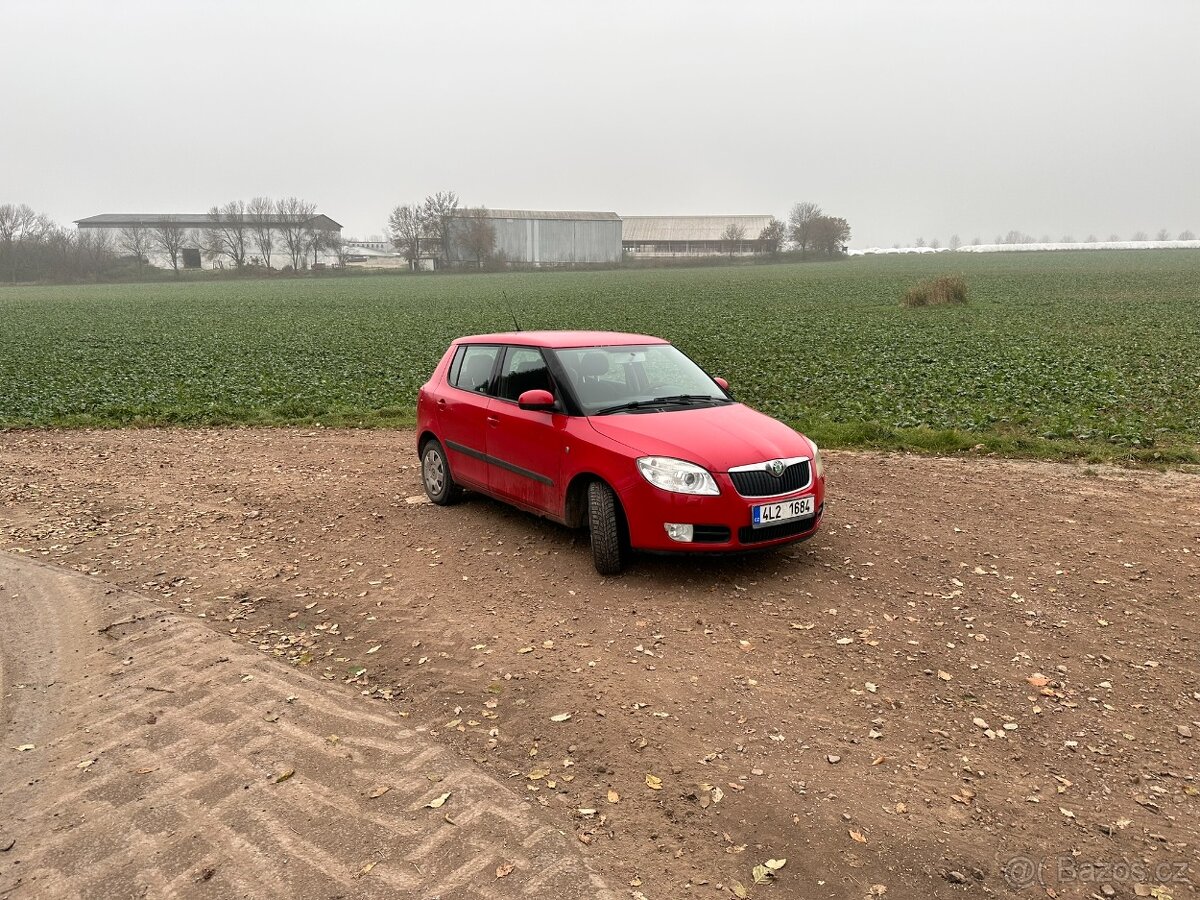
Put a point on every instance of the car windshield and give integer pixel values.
(637, 378)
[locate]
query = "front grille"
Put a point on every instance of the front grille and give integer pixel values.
(760, 483)
(710, 534)
(749, 535)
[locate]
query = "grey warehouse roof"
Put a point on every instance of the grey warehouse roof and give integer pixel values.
(688, 228)
(544, 214)
(188, 220)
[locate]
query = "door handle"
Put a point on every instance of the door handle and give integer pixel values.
(442, 403)
(493, 421)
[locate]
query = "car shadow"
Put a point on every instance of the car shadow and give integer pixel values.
(651, 568)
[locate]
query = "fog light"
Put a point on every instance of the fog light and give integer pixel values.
(681, 533)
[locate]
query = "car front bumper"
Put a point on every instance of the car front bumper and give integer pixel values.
(720, 523)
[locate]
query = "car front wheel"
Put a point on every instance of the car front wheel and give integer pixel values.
(435, 474)
(604, 519)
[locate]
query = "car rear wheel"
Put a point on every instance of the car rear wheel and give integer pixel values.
(609, 553)
(435, 474)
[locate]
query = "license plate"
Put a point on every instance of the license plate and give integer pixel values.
(786, 511)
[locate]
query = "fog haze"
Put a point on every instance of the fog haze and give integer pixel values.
(908, 119)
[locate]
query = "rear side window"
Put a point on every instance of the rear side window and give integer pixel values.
(524, 370)
(471, 369)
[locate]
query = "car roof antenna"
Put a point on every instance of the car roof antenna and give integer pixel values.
(516, 324)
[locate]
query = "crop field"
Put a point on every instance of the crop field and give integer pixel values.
(1088, 354)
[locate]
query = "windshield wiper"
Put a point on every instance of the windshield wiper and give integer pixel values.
(675, 399)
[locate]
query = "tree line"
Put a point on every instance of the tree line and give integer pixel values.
(420, 230)
(808, 230)
(241, 235)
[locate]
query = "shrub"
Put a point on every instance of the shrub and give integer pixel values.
(945, 290)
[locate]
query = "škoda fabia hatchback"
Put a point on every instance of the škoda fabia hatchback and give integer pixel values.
(621, 433)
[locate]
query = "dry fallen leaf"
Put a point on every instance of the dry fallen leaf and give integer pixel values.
(653, 782)
(738, 889)
(24, 747)
(858, 836)
(284, 775)
(945, 676)
(436, 802)
(379, 791)
(505, 870)
(760, 874)
(364, 870)
(613, 797)
(776, 864)
(1037, 679)
(86, 764)
(561, 717)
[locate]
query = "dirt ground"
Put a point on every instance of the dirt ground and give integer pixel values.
(151, 757)
(981, 677)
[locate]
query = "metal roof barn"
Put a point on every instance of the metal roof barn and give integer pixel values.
(543, 237)
(691, 235)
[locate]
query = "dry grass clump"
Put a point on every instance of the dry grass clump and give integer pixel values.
(945, 290)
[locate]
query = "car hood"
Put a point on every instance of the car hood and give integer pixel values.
(716, 437)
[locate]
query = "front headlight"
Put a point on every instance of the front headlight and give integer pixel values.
(818, 463)
(677, 476)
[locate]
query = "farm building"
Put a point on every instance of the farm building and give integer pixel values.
(537, 238)
(192, 249)
(651, 236)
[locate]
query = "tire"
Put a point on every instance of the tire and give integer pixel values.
(435, 474)
(609, 552)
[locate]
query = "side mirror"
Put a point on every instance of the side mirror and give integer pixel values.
(536, 400)
(722, 383)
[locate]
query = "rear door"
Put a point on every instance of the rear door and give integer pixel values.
(463, 410)
(525, 447)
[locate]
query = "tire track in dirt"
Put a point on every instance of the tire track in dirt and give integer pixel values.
(161, 759)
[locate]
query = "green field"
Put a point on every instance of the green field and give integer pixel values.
(1091, 354)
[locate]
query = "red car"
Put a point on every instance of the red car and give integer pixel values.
(621, 433)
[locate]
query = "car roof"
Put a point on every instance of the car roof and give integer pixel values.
(562, 339)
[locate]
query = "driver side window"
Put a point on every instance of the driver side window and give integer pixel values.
(524, 369)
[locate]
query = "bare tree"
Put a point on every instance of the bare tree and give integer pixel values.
(229, 233)
(437, 210)
(1163, 235)
(919, 242)
(1186, 235)
(800, 221)
(19, 224)
(169, 237)
(296, 228)
(773, 236)
(406, 225)
(733, 235)
(935, 244)
(260, 214)
(1091, 239)
(1066, 239)
(1114, 237)
(334, 244)
(975, 241)
(136, 240)
(477, 234)
(1139, 236)
(955, 243)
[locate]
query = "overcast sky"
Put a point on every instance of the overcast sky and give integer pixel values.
(908, 118)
